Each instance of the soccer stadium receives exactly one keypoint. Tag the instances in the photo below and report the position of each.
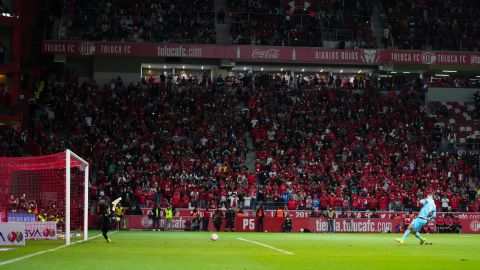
(239, 134)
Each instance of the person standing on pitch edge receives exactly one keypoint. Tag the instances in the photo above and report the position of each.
(230, 219)
(260, 216)
(169, 218)
(331, 220)
(156, 216)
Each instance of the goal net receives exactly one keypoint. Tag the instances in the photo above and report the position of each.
(47, 188)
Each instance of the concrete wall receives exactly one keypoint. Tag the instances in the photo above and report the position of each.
(82, 65)
(105, 69)
(460, 95)
(105, 77)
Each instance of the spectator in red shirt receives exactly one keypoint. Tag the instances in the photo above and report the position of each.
(407, 219)
(440, 222)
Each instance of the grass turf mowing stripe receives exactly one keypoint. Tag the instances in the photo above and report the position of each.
(46, 251)
(267, 246)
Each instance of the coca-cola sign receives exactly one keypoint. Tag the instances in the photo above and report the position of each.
(266, 53)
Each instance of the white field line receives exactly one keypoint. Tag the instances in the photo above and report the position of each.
(267, 246)
(45, 251)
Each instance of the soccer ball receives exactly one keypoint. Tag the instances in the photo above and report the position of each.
(214, 237)
(302, 230)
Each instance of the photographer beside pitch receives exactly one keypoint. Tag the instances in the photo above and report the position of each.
(427, 213)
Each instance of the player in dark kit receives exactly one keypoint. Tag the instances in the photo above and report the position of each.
(105, 218)
(217, 219)
(230, 219)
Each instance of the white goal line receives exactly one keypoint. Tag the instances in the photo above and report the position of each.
(46, 251)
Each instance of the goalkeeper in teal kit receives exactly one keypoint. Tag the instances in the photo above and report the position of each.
(427, 213)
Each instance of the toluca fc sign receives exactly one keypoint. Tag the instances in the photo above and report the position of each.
(261, 53)
(87, 48)
(428, 58)
(475, 225)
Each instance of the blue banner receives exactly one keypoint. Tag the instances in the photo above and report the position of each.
(20, 217)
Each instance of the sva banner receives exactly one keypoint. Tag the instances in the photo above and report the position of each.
(41, 230)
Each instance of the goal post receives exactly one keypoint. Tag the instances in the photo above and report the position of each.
(68, 166)
(46, 188)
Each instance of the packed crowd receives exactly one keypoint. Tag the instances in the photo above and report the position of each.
(47, 211)
(315, 146)
(143, 145)
(6, 105)
(426, 24)
(352, 150)
(431, 24)
(12, 141)
(138, 21)
(270, 23)
(454, 82)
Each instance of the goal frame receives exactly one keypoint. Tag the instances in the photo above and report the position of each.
(68, 158)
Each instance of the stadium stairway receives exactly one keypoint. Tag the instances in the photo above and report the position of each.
(251, 155)
(222, 29)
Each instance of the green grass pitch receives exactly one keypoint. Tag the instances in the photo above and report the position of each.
(188, 250)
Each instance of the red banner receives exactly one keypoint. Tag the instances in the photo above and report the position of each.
(250, 224)
(470, 224)
(354, 225)
(260, 53)
(430, 57)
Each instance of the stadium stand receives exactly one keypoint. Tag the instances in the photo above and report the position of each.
(139, 21)
(432, 24)
(274, 22)
(271, 23)
(12, 142)
(6, 106)
(354, 142)
(324, 142)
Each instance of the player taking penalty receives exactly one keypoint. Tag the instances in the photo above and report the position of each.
(426, 214)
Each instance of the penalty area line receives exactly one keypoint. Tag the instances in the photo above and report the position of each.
(267, 246)
(46, 251)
